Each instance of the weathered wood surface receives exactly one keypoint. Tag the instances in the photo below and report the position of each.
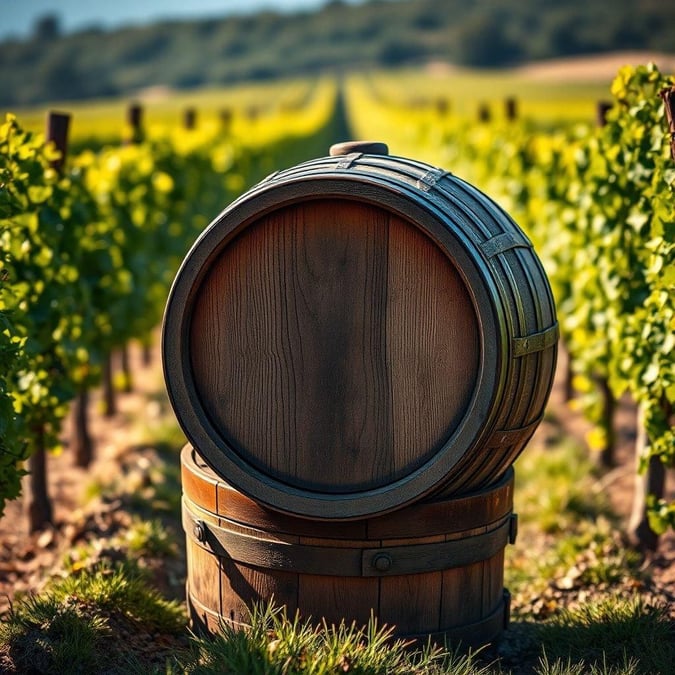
(239, 553)
(358, 333)
(337, 346)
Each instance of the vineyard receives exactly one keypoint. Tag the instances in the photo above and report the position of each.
(601, 191)
(94, 227)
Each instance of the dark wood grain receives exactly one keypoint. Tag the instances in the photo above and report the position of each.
(411, 603)
(338, 599)
(335, 346)
(204, 576)
(243, 586)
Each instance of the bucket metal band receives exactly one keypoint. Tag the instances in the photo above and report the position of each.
(271, 177)
(346, 161)
(429, 179)
(345, 562)
(509, 437)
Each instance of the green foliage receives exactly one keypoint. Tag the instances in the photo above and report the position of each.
(614, 632)
(88, 255)
(275, 643)
(640, 180)
(12, 450)
(133, 196)
(57, 260)
(661, 514)
(620, 308)
(599, 207)
(34, 271)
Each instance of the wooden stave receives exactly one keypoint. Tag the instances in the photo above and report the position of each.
(436, 604)
(517, 316)
(209, 492)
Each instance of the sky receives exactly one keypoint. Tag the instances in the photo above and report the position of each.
(17, 17)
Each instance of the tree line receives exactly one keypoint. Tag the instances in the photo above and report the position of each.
(51, 65)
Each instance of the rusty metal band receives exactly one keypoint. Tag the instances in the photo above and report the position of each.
(536, 342)
(502, 243)
(345, 562)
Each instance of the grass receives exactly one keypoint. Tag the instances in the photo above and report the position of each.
(125, 590)
(567, 667)
(611, 636)
(277, 644)
(47, 634)
(94, 621)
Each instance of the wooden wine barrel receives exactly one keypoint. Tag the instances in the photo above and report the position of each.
(356, 333)
(431, 569)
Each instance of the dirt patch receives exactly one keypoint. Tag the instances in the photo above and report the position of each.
(27, 561)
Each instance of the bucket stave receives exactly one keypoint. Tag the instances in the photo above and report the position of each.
(432, 569)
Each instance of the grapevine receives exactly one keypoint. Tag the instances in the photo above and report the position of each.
(598, 205)
(88, 254)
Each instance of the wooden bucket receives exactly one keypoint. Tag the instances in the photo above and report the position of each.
(431, 569)
(357, 333)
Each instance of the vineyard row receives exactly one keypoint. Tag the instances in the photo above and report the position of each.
(598, 203)
(89, 250)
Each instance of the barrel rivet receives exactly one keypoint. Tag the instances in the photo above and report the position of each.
(199, 531)
(382, 562)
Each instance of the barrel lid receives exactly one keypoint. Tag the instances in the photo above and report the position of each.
(365, 147)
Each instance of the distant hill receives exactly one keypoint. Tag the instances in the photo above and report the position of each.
(381, 33)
